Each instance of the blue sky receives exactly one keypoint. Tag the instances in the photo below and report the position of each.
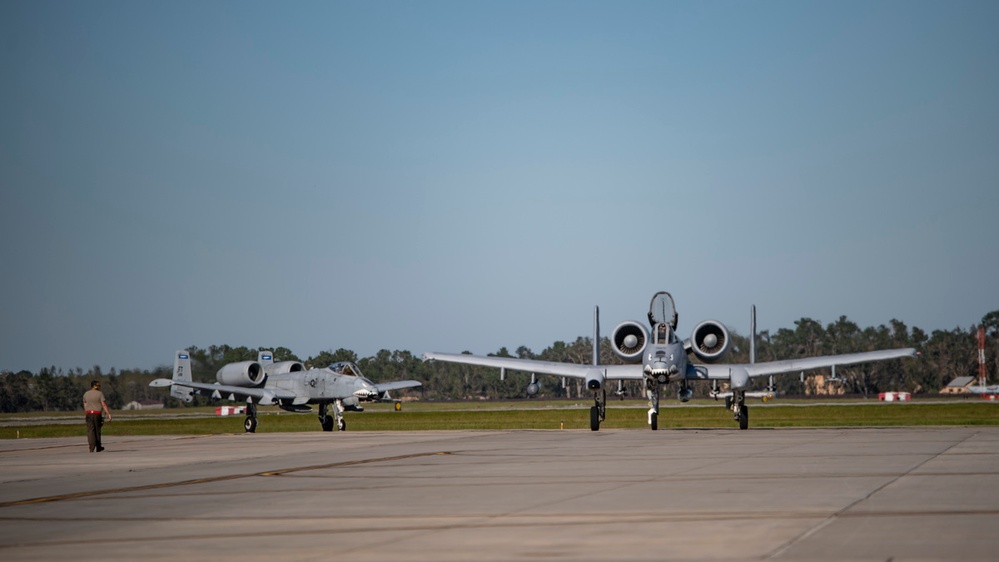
(449, 176)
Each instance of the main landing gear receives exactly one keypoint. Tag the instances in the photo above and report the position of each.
(599, 410)
(336, 420)
(250, 423)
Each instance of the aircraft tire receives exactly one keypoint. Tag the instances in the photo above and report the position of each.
(328, 423)
(744, 417)
(594, 419)
(250, 425)
(342, 426)
(655, 421)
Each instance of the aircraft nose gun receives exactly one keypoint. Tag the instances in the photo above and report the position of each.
(662, 366)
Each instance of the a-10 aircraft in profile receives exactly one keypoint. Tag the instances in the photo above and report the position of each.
(659, 357)
(287, 384)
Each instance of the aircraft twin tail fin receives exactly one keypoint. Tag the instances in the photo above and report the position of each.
(182, 373)
(596, 335)
(265, 357)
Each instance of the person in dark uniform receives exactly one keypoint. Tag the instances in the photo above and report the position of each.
(95, 406)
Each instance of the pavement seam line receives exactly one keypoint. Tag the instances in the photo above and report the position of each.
(279, 472)
(836, 515)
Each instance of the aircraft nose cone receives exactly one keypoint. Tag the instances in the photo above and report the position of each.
(365, 393)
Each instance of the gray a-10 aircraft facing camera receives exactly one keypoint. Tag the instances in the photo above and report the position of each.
(659, 357)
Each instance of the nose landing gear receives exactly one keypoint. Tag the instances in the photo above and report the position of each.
(336, 420)
(599, 410)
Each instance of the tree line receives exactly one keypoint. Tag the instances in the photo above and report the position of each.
(944, 355)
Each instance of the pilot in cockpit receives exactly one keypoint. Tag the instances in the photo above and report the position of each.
(342, 368)
(662, 333)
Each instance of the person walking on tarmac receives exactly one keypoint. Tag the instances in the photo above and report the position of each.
(95, 406)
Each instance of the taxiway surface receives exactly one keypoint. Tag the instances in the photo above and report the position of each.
(877, 494)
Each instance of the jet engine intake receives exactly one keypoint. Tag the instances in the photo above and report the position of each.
(283, 367)
(629, 340)
(710, 341)
(246, 373)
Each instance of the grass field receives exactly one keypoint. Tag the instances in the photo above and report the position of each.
(515, 415)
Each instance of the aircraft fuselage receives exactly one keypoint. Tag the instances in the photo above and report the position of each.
(323, 385)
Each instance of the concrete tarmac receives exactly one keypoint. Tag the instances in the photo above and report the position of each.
(928, 493)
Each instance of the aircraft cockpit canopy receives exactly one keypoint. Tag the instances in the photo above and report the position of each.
(349, 369)
(345, 368)
(662, 310)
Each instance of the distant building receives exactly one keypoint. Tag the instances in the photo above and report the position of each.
(143, 405)
(958, 386)
(818, 385)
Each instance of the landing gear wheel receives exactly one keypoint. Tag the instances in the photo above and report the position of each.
(250, 425)
(342, 425)
(744, 417)
(328, 423)
(655, 422)
(594, 419)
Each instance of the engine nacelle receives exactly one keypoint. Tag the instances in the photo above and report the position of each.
(283, 367)
(629, 340)
(710, 341)
(246, 373)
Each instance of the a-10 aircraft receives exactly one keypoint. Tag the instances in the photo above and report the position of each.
(288, 384)
(660, 357)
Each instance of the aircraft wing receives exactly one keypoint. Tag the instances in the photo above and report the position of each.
(396, 385)
(573, 370)
(749, 370)
(806, 363)
(265, 396)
